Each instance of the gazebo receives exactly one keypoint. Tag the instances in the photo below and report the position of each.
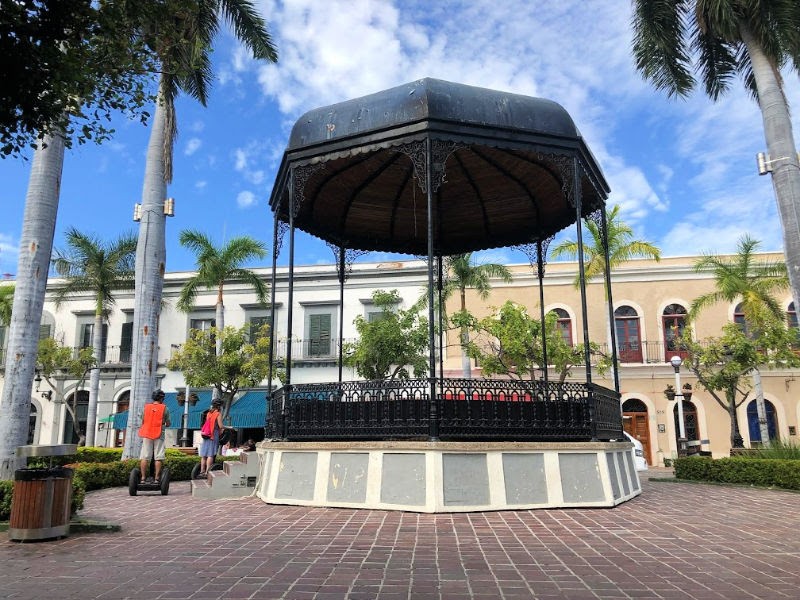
(433, 169)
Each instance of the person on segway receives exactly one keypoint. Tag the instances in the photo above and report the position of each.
(155, 420)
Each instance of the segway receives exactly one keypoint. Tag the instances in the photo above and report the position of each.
(136, 485)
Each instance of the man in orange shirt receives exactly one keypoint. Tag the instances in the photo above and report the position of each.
(155, 420)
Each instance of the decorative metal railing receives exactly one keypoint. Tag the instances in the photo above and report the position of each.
(463, 409)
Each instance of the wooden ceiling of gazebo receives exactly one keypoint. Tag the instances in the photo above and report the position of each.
(502, 170)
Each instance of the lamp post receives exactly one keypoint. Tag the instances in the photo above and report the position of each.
(676, 362)
(184, 441)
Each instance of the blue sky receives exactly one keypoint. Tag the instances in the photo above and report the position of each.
(683, 171)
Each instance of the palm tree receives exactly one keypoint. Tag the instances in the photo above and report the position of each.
(462, 273)
(743, 277)
(90, 265)
(36, 244)
(754, 282)
(6, 304)
(182, 40)
(720, 39)
(216, 266)
(621, 247)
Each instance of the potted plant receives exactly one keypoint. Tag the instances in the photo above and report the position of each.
(669, 392)
(181, 398)
(687, 391)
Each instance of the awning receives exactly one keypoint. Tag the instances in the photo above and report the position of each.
(249, 411)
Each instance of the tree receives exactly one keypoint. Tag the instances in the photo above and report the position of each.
(90, 265)
(182, 38)
(6, 304)
(720, 364)
(743, 276)
(754, 281)
(36, 243)
(53, 360)
(391, 346)
(509, 342)
(462, 273)
(242, 363)
(719, 40)
(57, 51)
(622, 247)
(216, 266)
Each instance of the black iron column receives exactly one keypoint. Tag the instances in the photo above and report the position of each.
(341, 312)
(540, 274)
(290, 307)
(273, 278)
(576, 191)
(433, 414)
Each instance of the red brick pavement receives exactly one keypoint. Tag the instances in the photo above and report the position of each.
(675, 541)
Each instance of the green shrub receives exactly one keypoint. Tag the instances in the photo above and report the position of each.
(777, 449)
(749, 471)
(6, 491)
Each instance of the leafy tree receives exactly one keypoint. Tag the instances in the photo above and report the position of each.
(462, 273)
(216, 266)
(182, 38)
(242, 363)
(6, 304)
(719, 40)
(90, 265)
(67, 66)
(391, 346)
(509, 342)
(622, 247)
(722, 363)
(743, 276)
(54, 360)
(754, 281)
(38, 225)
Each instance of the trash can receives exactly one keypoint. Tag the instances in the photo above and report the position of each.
(42, 500)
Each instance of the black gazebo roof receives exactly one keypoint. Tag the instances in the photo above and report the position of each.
(502, 170)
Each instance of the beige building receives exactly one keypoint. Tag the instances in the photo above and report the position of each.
(649, 300)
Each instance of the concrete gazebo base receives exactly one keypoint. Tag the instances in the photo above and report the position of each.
(441, 477)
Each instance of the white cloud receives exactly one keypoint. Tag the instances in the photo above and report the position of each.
(246, 199)
(200, 185)
(192, 146)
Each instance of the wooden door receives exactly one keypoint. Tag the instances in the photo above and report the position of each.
(635, 423)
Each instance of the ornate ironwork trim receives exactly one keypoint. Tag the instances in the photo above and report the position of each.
(301, 175)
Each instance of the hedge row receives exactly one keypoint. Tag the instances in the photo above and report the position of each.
(108, 470)
(749, 471)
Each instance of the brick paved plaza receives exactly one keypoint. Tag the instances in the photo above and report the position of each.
(677, 540)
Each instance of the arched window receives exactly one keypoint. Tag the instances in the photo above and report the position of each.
(629, 341)
(122, 405)
(752, 421)
(32, 425)
(738, 318)
(689, 422)
(791, 316)
(673, 321)
(81, 412)
(564, 325)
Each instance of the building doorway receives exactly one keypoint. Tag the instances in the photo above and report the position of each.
(80, 401)
(752, 421)
(689, 422)
(635, 421)
(122, 405)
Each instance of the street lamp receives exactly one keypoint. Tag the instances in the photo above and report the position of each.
(676, 362)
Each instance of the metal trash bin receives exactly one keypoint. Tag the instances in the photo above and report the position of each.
(42, 500)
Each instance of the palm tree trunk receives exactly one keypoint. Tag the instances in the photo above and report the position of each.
(782, 150)
(94, 378)
(36, 245)
(149, 278)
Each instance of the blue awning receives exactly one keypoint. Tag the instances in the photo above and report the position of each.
(248, 411)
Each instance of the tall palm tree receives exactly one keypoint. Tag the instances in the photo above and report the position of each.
(36, 244)
(90, 265)
(216, 266)
(182, 39)
(622, 247)
(461, 272)
(754, 281)
(720, 39)
(746, 277)
(6, 304)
